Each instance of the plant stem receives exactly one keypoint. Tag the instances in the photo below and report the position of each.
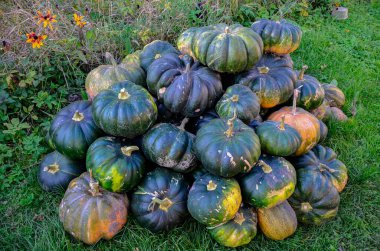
(127, 150)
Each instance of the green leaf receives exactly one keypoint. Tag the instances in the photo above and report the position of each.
(81, 56)
(334, 82)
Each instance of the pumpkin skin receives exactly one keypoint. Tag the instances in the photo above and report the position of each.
(237, 232)
(334, 95)
(170, 146)
(315, 199)
(155, 50)
(270, 182)
(197, 122)
(98, 214)
(56, 171)
(126, 110)
(321, 111)
(324, 160)
(279, 222)
(214, 200)
(323, 131)
(239, 99)
(73, 130)
(116, 164)
(280, 37)
(185, 39)
(227, 147)
(159, 202)
(49, 141)
(335, 114)
(184, 85)
(272, 79)
(133, 58)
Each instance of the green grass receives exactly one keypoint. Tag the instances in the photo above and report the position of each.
(350, 50)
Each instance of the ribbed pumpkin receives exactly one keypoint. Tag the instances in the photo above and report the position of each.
(279, 222)
(278, 138)
(185, 40)
(56, 171)
(155, 50)
(98, 214)
(159, 202)
(334, 113)
(227, 147)
(73, 130)
(214, 200)
(48, 140)
(323, 131)
(272, 79)
(223, 48)
(304, 122)
(334, 95)
(133, 58)
(170, 146)
(237, 232)
(280, 37)
(239, 99)
(271, 181)
(197, 122)
(184, 85)
(116, 163)
(321, 112)
(126, 110)
(324, 160)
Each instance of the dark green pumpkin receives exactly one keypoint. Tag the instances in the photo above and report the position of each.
(56, 171)
(116, 164)
(214, 200)
(184, 85)
(280, 37)
(334, 95)
(126, 110)
(272, 79)
(227, 147)
(271, 181)
(239, 99)
(49, 140)
(237, 232)
(324, 131)
(185, 39)
(159, 202)
(155, 50)
(73, 130)
(170, 146)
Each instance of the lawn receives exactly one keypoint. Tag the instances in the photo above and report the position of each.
(347, 51)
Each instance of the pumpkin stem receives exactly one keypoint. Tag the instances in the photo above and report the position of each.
(266, 168)
(239, 218)
(53, 168)
(78, 116)
(306, 207)
(227, 30)
(295, 96)
(183, 123)
(127, 150)
(302, 72)
(235, 98)
(323, 167)
(263, 69)
(94, 186)
(164, 204)
(211, 186)
(110, 59)
(230, 123)
(282, 123)
(157, 56)
(123, 94)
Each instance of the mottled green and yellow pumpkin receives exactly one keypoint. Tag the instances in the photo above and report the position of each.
(334, 95)
(133, 58)
(155, 50)
(185, 40)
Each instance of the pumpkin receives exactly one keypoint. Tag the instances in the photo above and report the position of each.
(184, 41)
(126, 110)
(197, 122)
(224, 48)
(170, 146)
(49, 141)
(133, 58)
(321, 111)
(155, 50)
(241, 99)
(334, 95)
(237, 232)
(315, 199)
(104, 76)
(73, 130)
(164, 115)
(324, 160)
(184, 85)
(56, 171)
(278, 138)
(90, 213)
(227, 147)
(256, 122)
(116, 163)
(311, 93)
(334, 113)
(279, 222)
(280, 37)
(271, 181)
(304, 122)
(159, 202)
(198, 172)
(323, 131)
(214, 200)
(272, 79)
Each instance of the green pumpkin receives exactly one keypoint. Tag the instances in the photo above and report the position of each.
(126, 110)
(271, 181)
(73, 130)
(237, 232)
(49, 140)
(116, 164)
(323, 131)
(239, 99)
(159, 202)
(133, 58)
(185, 39)
(155, 50)
(323, 160)
(184, 85)
(227, 147)
(272, 79)
(214, 200)
(56, 171)
(315, 199)
(321, 112)
(280, 37)
(334, 95)
(278, 138)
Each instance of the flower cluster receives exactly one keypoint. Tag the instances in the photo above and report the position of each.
(35, 40)
(46, 19)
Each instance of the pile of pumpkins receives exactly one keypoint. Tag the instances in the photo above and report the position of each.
(221, 128)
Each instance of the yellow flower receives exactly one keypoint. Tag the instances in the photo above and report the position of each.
(78, 20)
(47, 19)
(35, 40)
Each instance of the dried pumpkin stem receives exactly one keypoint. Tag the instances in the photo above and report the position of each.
(94, 185)
(266, 168)
(282, 123)
(227, 30)
(183, 123)
(164, 204)
(230, 123)
(78, 116)
(110, 59)
(239, 218)
(211, 186)
(235, 98)
(306, 207)
(263, 69)
(295, 96)
(302, 72)
(53, 168)
(123, 94)
(127, 150)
